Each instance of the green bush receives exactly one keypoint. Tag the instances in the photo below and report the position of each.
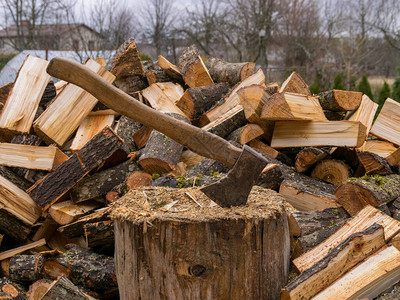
(338, 82)
(4, 59)
(145, 57)
(396, 90)
(315, 87)
(384, 93)
(364, 87)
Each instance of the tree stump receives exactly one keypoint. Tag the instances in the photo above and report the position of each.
(177, 244)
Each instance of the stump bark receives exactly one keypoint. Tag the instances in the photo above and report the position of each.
(203, 252)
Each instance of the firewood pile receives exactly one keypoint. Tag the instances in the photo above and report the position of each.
(65, 159)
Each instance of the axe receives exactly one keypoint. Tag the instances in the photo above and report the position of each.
(245, 164)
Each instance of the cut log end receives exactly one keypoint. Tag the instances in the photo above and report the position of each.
(331, 171)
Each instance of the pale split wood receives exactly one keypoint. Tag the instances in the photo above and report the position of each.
(162, 96)
(18, 250)
(295, 84)
(367, 280)
(264, 148)
(365, 113)
(394, 158)
(67, 111)
(66, 212)
(365, 218)
(387, 124)
(381, 148)
(318, 133)
(171, 69)
(31, 157)
(90, 126)
(20, 109)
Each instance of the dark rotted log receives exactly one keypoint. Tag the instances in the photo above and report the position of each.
(64, 289)
(23, 267)
(305, 222)
(85, 268)
(49, 93)
(25, 139)
(374, 164)
(338, 100)
(270, 178)
(309, 156)
(376, 190)
(99, 233)
(11, 290)
(331, 171)
(19, 181)
(12, 226)
(161, 153)
(61, 180)
(99, 184)
(196, 101)
(125, 129)
(191, 251)
(75, 229)
(232, 73)
(338, 261)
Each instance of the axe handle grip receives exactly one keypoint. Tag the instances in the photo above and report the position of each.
(196, 139)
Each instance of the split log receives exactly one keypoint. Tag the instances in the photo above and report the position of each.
(270, 178)
(98, 184)
(365, 112)
(374, 164)
(196, 101)
(11, 290)
(23, 267)
(18, 203)
(306, 222)
(232, 73)
(31, 157)
(163, 96)
(190, 159)
(334, 116)
(310, 133)
(64, 289)
(207, 167)
(204, 261)
(295, 84)
(231, 99)
(273, 87)
(246, 134)
(5, 91)
(393, 158)
(154, 73)
(367, 280)
(338, 100)
(364, 219)
(127, 61)
(25, 139)
(377, 190)
(13, 226)
(60, 85)
(194, 72)
(307, 194)
(18, 250)
(134, 180)
(84, 267)
(49, 93)
(381, 148)
(253, 98)
(271, 152)
(38, 289)
(99, 233)
(331, 171)
(19, 111)
(387, 124)
(169, 68)
(308, 157)
(228, 122)
(67, 211)
(289, 106)
(142, 136)
(125, 129)
(68, 110)
(61, 180)
(339, 260)
(89, 127)
(131, 84)
(45, 229)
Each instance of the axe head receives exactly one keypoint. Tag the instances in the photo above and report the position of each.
(235, 187)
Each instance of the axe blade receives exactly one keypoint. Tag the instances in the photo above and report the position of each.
(235, 187)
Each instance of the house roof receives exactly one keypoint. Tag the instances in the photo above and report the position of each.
(45, 29)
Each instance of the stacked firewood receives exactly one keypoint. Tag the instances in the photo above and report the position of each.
(65, 158)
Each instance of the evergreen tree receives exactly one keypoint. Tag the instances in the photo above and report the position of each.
(315, 87)
(338, 82)
(384, 93)
(364, 87)
(396, 90)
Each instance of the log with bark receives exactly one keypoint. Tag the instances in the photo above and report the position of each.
(38, 289)
(99, 234)
(233, 73)
(200, 267)
(64, 289)
(127, 61)
(5, 91)
(271, 152)
(23, 267)
(11, 290)
(49, 93)
(67, 211)
(374, 164)
(126, 129)
(308, 157)
(246, 134)
(270, 178)
(331, 171)
(381, 148)
(376, 190)
(338, 100)
(295, 84)
(387, 124)
(172, 70)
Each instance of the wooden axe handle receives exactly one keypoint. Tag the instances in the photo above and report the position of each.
(194, 138)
